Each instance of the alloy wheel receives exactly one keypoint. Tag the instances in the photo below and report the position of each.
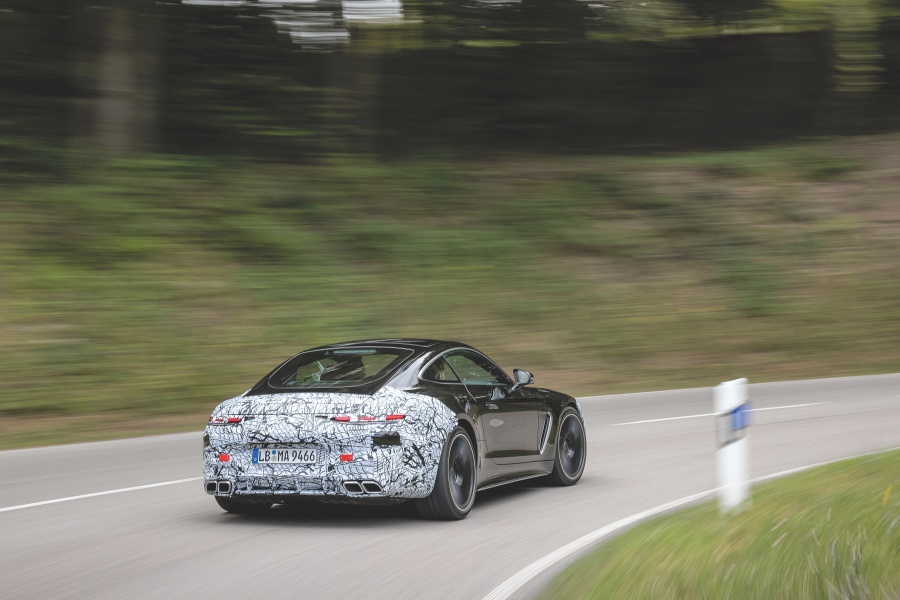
(571, 446)
(461, 472)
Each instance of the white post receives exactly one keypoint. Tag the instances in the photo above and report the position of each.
(733, 456)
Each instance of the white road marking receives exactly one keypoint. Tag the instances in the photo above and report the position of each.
(95, 494)
(509, 587)
(506, 589)
(713, 414)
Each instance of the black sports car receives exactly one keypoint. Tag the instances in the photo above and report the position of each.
(387, 420)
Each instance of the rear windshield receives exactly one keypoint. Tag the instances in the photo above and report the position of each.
(337, 367)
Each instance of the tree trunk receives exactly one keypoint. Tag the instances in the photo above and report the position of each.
(120, 71)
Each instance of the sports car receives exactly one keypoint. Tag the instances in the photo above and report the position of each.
(389, 420)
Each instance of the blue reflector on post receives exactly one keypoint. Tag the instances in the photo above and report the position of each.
(740, 417)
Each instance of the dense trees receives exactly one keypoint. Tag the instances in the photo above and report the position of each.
(465, 76)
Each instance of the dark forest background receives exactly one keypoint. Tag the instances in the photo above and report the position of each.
(464, 77)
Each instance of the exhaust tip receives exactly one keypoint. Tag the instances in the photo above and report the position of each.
(210, 487)
(371, 487)
(224, 487)
(353, 487)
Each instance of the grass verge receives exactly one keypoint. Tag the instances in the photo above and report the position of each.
(832, 532)
(150, 289)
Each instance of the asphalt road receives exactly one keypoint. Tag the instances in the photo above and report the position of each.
(174, 542)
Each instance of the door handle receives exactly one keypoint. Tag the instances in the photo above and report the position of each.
(491, 406)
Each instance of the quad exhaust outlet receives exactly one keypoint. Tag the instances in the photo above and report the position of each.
(362, 487)
(218, 487)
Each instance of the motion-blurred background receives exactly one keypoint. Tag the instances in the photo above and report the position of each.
(617, 195)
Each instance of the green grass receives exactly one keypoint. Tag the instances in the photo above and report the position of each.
(154, 288)
(832, 532)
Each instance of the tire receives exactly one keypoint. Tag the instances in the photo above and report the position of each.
(571, 449)
(454, 488)
(243, 507)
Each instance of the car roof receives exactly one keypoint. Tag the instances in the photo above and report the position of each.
(407, 343)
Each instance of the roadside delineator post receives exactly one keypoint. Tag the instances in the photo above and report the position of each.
(732, 410)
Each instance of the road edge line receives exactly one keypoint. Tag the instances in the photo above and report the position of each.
(95, 494)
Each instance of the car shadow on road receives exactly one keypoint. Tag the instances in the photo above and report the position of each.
(322, 514)
(511, 492)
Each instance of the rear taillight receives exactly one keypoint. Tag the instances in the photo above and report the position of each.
(225, 420)
(367, 418)
(224, 457)
(346, 457)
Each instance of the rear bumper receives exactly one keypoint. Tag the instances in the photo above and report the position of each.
(399, 470)
(286, 490)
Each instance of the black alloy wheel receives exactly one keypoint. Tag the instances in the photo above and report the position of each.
(571, 451)
(454, 489)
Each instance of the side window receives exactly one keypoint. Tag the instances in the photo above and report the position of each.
(440, 371)
(475, 369)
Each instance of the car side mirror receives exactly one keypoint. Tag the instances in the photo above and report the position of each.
(521, 377)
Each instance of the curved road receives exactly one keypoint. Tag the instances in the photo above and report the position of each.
(173, 541)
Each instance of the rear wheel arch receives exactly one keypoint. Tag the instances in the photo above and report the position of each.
(470, 429)
(456, 480)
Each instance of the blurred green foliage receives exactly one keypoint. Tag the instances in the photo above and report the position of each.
(161, 285)
(829, 533)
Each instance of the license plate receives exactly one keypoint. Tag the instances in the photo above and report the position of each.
(291, 456)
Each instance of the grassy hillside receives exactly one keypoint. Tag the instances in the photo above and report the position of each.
(136, 296)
